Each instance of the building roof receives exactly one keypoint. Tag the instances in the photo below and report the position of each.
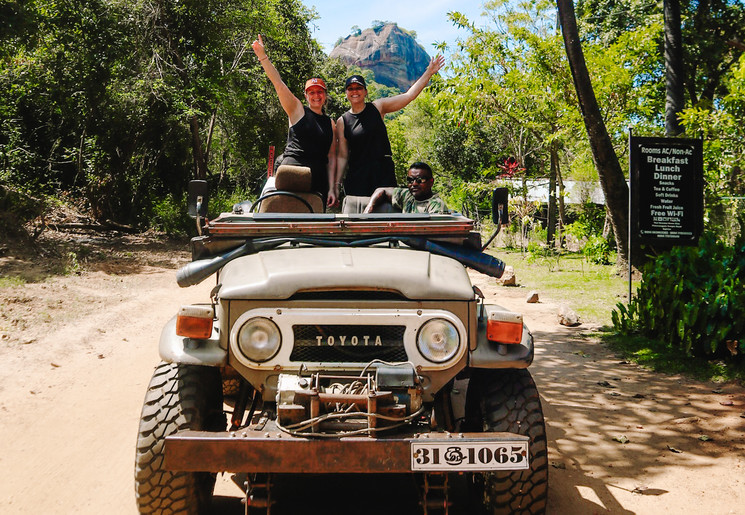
(578, 192)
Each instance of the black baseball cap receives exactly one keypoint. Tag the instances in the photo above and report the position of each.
(355, 79)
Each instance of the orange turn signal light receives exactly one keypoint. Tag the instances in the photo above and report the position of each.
(195, 322)
(504, 327)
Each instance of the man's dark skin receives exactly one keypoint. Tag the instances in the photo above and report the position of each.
(421, 191)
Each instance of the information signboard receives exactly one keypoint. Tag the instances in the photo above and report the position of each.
(666, 190)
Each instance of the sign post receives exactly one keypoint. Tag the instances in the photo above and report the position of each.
(666, 204)
(270, 162)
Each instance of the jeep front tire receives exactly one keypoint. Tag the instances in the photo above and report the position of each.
(507, 400)
(179, 397)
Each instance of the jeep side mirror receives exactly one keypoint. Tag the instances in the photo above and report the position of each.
(198, 197)
(198, 200)
(500, 206)
(499, 212)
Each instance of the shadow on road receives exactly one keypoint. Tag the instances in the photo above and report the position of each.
(387, 494)
(613, 427)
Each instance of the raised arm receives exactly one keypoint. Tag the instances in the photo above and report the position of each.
(392, 104)
(290, 103)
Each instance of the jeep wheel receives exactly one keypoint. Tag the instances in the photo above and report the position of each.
(179, 397)
(507, 400)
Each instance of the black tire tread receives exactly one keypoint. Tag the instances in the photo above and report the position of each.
(179, 397)
(508, 400)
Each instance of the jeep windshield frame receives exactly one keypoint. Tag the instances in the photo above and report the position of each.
(234, 235)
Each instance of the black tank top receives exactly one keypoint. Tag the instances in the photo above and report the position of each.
(370, 164)
(308, 143)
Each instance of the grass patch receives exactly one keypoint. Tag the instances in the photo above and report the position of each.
(659, 358)
(12, 281)
(590, 289)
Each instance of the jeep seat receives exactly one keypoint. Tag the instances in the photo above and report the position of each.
(292, 183)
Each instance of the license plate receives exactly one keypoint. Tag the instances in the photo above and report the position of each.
(479, 456)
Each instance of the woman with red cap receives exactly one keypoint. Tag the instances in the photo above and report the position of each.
(311, 140)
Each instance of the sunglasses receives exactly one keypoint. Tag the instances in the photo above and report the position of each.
(417, 180)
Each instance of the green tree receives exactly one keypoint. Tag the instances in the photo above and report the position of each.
(612, 180)
(710, 31)
(125, 101)
(724, 155)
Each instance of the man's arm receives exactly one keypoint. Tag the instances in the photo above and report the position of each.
(377, 196)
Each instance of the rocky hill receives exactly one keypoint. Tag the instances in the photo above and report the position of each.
(392, 54)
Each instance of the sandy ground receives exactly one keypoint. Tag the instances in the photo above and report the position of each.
(77, 353)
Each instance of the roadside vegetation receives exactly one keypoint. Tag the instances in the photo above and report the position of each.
(689, 311)
(578, 271)
(592, 290)
(685, 317)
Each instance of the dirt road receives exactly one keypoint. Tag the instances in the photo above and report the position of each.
(77, 353)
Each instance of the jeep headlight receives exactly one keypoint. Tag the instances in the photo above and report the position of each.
(259, 339)
(438, 340)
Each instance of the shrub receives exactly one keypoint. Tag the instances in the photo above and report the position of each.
(598, 250)
(169, 215)
(691, 298)
(223, 200)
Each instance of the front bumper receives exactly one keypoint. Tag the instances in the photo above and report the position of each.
(272, 451)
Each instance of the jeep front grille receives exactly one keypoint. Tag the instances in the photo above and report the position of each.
(348, 343)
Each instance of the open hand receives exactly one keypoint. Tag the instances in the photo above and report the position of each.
(435, 64)
(258, 46)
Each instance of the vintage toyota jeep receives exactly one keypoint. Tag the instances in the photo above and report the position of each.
(359, 345)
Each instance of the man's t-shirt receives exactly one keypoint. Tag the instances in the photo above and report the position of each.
(405, 201)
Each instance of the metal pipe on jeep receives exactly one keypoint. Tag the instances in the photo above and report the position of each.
(471, 258)
(197, 271)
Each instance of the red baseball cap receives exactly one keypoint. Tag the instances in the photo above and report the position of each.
(315, 82)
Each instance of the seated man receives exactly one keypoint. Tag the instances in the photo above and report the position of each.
(417, 198)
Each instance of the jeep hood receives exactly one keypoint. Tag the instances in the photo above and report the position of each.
(278, 274)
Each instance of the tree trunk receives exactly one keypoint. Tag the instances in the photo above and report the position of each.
(562, 208)
(551, 215)
(674, 73)
(210, 132)
(200, 164)
(611, 176)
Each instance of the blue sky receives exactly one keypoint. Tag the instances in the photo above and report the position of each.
(428, 18)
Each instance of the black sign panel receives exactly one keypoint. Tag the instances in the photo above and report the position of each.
(666, 190)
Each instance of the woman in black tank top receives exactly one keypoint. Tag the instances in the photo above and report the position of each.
(363, 139)
(311, 140)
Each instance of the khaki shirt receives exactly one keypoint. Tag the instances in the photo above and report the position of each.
(405, 201)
